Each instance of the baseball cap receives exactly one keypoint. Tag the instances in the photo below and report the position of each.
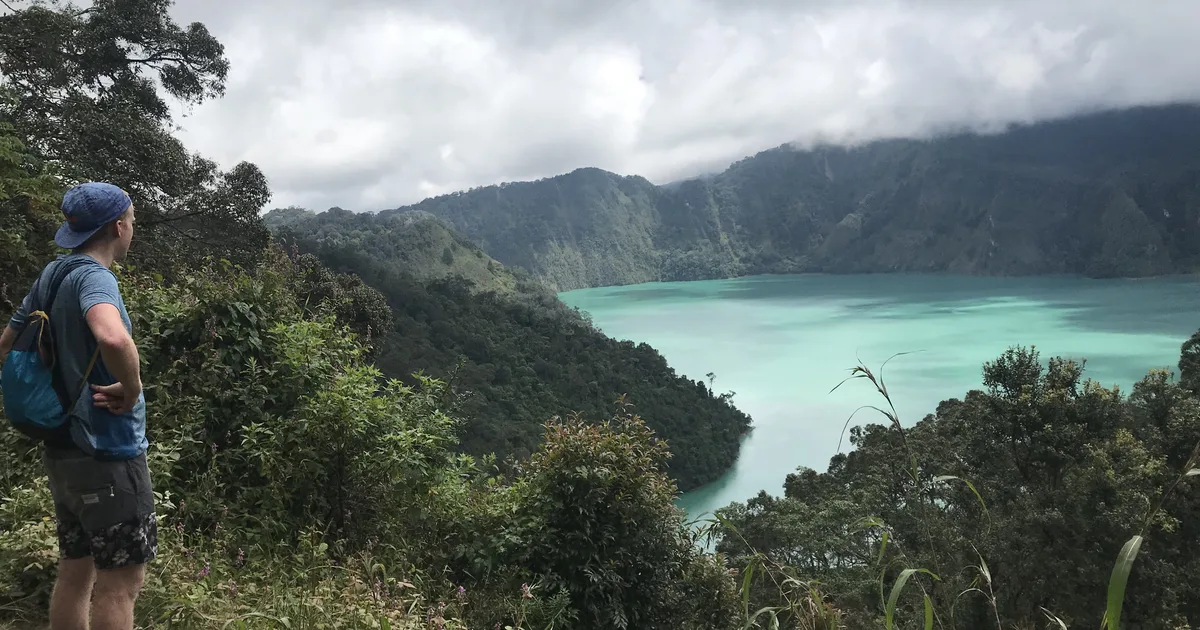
(89, 207)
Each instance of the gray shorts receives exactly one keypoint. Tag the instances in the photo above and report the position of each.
(104, 509)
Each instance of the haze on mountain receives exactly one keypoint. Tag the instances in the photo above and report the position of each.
(1103, 195)
(367, 105)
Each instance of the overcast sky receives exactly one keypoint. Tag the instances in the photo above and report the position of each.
(370, 104)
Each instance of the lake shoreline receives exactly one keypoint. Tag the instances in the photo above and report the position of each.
(781, 341)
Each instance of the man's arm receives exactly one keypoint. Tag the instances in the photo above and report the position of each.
(119, 352)
(9, 336)
(7, 339)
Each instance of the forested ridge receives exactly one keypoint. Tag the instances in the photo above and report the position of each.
(1113, 193)
(518, 354)
(300, 487)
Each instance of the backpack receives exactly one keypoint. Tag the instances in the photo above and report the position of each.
(35, 397)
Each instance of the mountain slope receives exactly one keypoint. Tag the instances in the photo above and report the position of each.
(586, 228)
(525, 356)
(413, 242)
(1107, 194)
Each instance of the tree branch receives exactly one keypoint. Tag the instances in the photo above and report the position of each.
(167, 219)
(149, 61)
(167, 54)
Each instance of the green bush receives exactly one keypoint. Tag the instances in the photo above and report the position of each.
(295, 481)
(278, 423)
(973, 515)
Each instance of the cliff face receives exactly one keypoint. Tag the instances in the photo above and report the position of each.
(1110, 194)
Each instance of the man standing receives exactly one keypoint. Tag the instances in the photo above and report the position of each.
(99, 479)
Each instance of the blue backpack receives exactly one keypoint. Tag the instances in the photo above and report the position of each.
(35, 398)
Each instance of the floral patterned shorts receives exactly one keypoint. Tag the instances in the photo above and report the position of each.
(104, 509)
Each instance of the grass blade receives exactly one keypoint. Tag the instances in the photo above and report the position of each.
(1052, 617)
(901, 580)
(928, 613)
(746, 587)
(969, 485)
(1120, 577)
(752, 620)
(882, 547)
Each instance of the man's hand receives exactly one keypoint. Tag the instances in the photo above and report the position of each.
(120, 357)
(114, 398)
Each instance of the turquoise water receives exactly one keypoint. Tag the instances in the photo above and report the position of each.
(781, 343)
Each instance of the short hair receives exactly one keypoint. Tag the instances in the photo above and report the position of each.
(103, 234)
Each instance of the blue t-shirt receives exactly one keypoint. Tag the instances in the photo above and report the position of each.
(95, 429)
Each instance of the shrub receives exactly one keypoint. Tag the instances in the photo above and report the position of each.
(598, 516)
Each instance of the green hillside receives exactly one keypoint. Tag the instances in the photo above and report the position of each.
(1107, 194)
(520, 354)
(415, 242)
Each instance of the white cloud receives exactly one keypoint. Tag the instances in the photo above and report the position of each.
(368, 104)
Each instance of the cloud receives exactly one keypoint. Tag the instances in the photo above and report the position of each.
(369, 104)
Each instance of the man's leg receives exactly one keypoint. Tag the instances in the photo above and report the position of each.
(115, 505)
(115, 593)
(69, 602)
(121, 553)
(72, 593)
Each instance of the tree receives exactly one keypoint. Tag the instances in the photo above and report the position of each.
(28, 218)
(1189, 363)
(1067, 470)
(80, 90)
(599, 521)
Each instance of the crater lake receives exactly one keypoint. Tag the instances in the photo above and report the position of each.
(782, 343)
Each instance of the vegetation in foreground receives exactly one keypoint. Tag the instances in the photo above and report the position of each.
(296, 482)
(1043, 499)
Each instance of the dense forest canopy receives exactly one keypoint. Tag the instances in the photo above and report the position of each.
(1105, 194)
(1017, 497)
(522, 354)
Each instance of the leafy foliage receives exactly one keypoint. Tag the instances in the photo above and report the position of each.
(605, 528)
(27, 220)
(81, 92)
(516, 352)
(993, 495)
(279, 452)
(241, 364)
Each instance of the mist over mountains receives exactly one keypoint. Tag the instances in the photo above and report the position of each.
(1106, 194)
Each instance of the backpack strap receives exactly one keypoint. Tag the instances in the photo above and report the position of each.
(62, 269)
(88, 372)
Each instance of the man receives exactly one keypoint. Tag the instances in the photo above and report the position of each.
(103, 499)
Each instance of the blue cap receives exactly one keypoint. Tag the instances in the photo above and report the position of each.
(89, 207)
